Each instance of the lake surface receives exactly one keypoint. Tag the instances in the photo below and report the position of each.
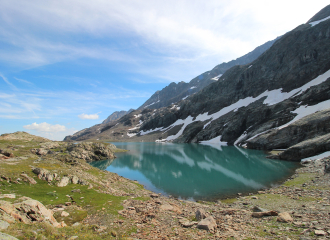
(195, 171)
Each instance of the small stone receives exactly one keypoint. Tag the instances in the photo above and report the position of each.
(30, 179)
(73, 237)
(65, 214)
(259, 209)
(76, 224)
(8, 196)
(208, 224)
(113, 233)
(3, 225)
(200, 214)
(154, 195)
(185, 223)
(284, 217)
(74, 179)
(320, 233)
(254, 197)
(7, 237)
(64, 181)
(263, 214)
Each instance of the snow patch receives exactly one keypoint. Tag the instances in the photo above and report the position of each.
(193, 87)
(185, 97)
(152, 104)
(250, 66)
(320, 156)
(319, 21)
(138, 115)
(216, 78)
(304, 111)
(216, 140)
(131, 134)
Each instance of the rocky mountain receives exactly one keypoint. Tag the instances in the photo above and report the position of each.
(256, 105)
(116, 115)
(175, 92)
(280, 100)
(172, 93)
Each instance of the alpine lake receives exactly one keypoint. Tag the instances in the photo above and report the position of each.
(195, 171)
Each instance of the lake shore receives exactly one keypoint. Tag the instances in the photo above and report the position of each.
(104, 205)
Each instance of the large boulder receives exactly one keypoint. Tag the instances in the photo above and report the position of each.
(306, 149)
(30, 211)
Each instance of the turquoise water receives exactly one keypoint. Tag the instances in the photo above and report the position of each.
(197, 172)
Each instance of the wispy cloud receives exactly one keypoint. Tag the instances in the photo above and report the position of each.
(23, 81)
(41, 33)
(6, 81)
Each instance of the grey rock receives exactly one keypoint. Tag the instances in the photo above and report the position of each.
(3, 225)
(259, 209)
(200, 214)
(208, 224)
(64, 181)
(306, 149)
(74, 179)
(4, 236)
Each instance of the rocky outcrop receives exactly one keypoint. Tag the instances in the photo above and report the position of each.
(29, 211)
(308, 148)
(90, 151)
(309, 127)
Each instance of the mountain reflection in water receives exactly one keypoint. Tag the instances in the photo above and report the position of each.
(194, 171)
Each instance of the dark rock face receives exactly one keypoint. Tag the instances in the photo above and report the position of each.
(116, 115)
(175, 92)
(325, 12)
(308, 148)
(309, 127)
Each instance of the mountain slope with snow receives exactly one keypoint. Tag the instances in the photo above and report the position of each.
(288, 82)
(176, 92)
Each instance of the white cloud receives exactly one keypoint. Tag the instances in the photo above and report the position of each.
(90, 116)
(45, 127)
(43, 32)
(46, 130)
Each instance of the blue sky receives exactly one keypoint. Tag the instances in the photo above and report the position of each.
(67, 65)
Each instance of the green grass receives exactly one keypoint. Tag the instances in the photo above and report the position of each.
(301, 179)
